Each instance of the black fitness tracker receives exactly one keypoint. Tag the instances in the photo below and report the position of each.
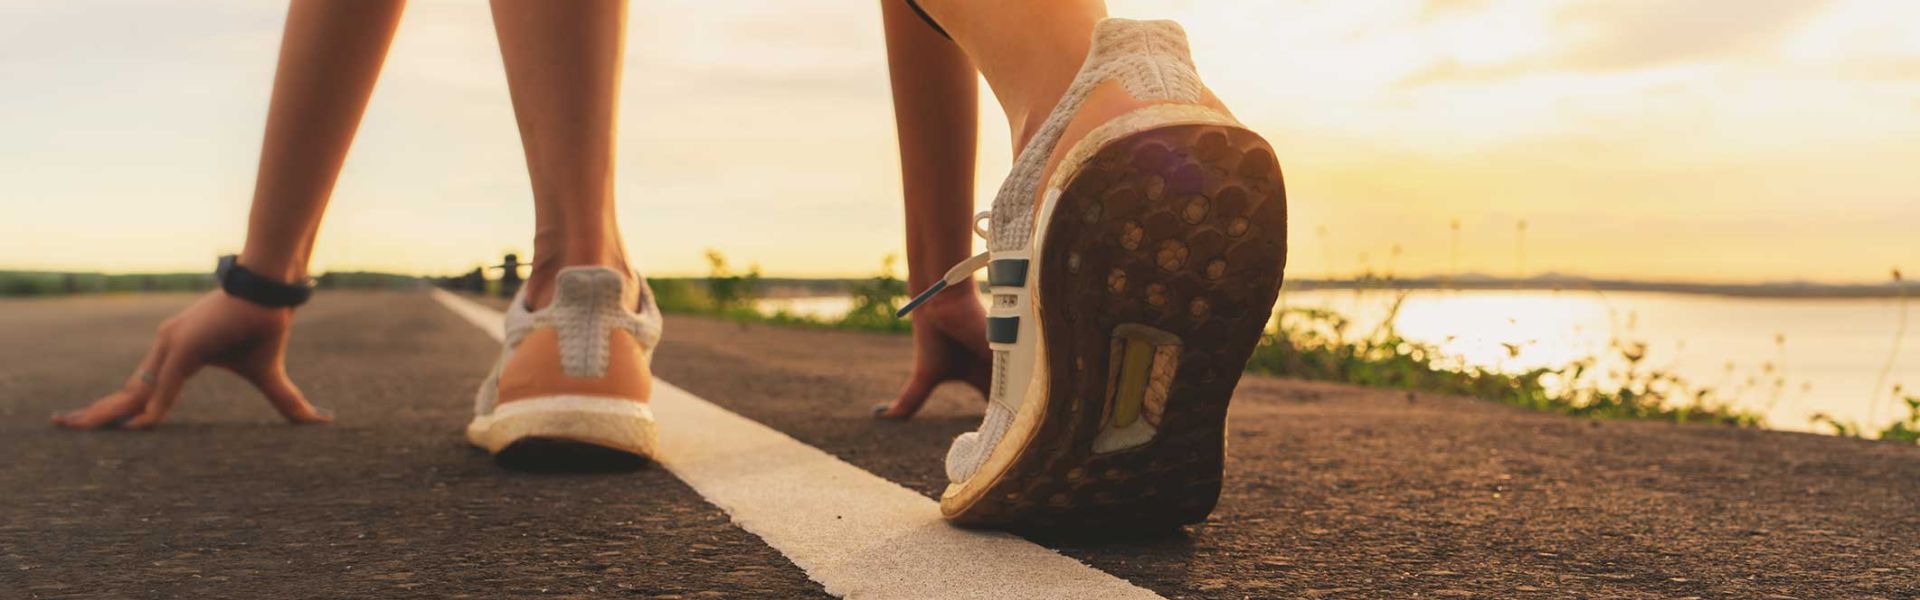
(240, 283)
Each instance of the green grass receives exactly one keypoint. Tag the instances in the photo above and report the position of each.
(1907, 429)
(1304, 343)
(367, 280)
(733, 296)
(48, 283)
(1317, 344)
(51, 283)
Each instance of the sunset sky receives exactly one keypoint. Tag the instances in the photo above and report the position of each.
(1732, 140)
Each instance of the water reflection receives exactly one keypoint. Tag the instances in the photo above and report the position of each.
(1785, 358)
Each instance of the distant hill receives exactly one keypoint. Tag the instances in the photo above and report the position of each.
(1554, 281)
(57, 283)
(794, 287)
(41, 283)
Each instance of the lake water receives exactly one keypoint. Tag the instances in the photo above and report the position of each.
(1786, 358)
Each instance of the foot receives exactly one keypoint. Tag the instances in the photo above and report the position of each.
(1135, 252)
(575, 372)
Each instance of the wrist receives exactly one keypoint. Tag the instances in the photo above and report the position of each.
(961, 297)
(283, 268)
(241, 282)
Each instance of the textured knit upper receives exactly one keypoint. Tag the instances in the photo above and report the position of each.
(1149, 58)
(588, 304)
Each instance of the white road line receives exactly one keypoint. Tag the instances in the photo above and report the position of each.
(857, 534)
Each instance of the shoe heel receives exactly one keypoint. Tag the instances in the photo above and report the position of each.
(1163, 256)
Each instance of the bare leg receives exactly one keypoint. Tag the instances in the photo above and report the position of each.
(936, 111)
(1028, 51)
(330, 57)
(563, 68)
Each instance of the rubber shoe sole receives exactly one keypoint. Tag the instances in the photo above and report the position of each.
(615, 424)
(1162, 258)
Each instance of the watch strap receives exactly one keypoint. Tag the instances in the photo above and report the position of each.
(241, 283)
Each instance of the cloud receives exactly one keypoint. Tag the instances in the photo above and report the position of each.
(1598, 36)
(1440, 8)
(1627, 35)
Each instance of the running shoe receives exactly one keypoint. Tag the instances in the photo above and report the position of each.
(1130, 283)
(575, 373)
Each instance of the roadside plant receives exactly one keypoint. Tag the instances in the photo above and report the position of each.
(1312, 343)
(1905, 430)
(876, 299)
(730, 292)
(1899, 335)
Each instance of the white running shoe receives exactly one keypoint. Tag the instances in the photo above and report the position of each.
(1125, 304)
(576, 372)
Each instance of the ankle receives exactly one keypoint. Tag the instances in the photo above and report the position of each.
(1035, 94)
(951, 308)
(1117, 51)
(1029, 52)
(546, 267)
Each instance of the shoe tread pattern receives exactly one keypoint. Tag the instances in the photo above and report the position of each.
(1181, 228)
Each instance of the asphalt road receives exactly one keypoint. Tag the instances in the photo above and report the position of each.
(1331, 491)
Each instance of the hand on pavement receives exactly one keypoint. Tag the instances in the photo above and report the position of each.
(949, 344)
(216, 330)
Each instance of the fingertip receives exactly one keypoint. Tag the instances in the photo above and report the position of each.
(884, 411)
(75, 419)
(140, 423)
(314, 415)
(905, 406)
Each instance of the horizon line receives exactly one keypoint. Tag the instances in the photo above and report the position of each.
(1474, 279)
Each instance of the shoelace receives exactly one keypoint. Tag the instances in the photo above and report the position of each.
(956, 275)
